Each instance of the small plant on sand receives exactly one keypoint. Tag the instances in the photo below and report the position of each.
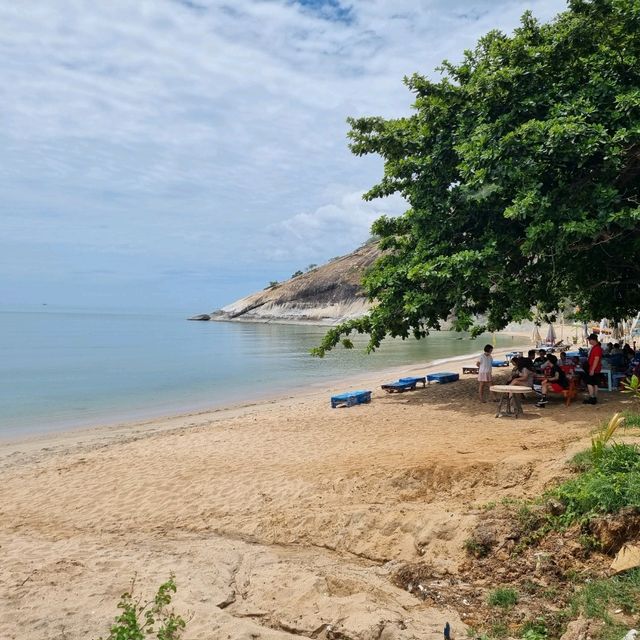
(476, 548)
(599, 442)
(632, 387)
(534, 630)
(140, 620)
(504, 597)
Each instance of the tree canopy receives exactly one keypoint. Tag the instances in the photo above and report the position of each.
(521, 167)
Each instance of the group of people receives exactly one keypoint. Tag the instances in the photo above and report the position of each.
(544, 372)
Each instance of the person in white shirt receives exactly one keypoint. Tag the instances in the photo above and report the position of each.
(485, 364)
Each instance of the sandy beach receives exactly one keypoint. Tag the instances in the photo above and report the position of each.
(279, 518)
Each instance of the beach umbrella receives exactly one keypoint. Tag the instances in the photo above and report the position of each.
(616, 333)
(551, 335)
(536, 337)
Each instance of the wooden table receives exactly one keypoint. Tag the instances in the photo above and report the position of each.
(510, 404)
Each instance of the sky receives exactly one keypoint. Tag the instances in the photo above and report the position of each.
(181, 154)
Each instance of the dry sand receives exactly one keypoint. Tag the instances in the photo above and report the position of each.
(278, 518)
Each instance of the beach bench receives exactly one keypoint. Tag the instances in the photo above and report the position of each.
(399, 387)
(416, 380)
(471, 370)
(350, 398)
(404, 384)
(443, 377)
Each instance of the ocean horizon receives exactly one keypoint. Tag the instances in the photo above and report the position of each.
(66, 368)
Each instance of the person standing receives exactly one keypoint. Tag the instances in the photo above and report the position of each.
(592, 373)
(485, 368)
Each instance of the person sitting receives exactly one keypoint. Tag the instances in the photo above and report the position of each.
(540, 360)
(555, 380)
(628, 352)
(525, 374)
(515, 372)
(563, 359)
(633, 368)
(615, 350)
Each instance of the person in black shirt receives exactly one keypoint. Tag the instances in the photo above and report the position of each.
(555, 380)
(540, 360)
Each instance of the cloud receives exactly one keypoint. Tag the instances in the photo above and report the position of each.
(181, 130)
(330, 230)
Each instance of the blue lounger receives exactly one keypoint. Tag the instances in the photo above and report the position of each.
(350, 398)
(499, 363)
(443, 378)
(414, 380)
(399, 386)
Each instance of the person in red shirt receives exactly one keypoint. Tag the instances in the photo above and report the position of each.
(592, 374)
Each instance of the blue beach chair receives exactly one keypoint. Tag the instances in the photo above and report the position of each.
(443, 378)
(415, 380)
(350, 398)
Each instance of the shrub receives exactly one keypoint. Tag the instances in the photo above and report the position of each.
(611, 483)
(138, 621)
(610, 478)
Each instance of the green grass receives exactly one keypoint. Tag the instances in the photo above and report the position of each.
(499, 630)
(504, 597)
(596, 598)
(631, 420)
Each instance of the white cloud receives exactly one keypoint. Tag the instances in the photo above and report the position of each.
(330, 230)
(185, 129)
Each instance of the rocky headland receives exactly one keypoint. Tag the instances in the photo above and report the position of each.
(328, 294)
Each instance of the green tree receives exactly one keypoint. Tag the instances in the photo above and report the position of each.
(521, 167)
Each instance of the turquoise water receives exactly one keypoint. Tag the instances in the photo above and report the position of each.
(64, 368)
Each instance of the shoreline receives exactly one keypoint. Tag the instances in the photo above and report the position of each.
(165, 422)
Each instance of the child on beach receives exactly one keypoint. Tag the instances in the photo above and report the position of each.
(484, 364)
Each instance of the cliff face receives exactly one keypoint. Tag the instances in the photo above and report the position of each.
(327, 295)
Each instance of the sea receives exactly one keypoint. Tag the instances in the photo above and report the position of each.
(64, 368)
